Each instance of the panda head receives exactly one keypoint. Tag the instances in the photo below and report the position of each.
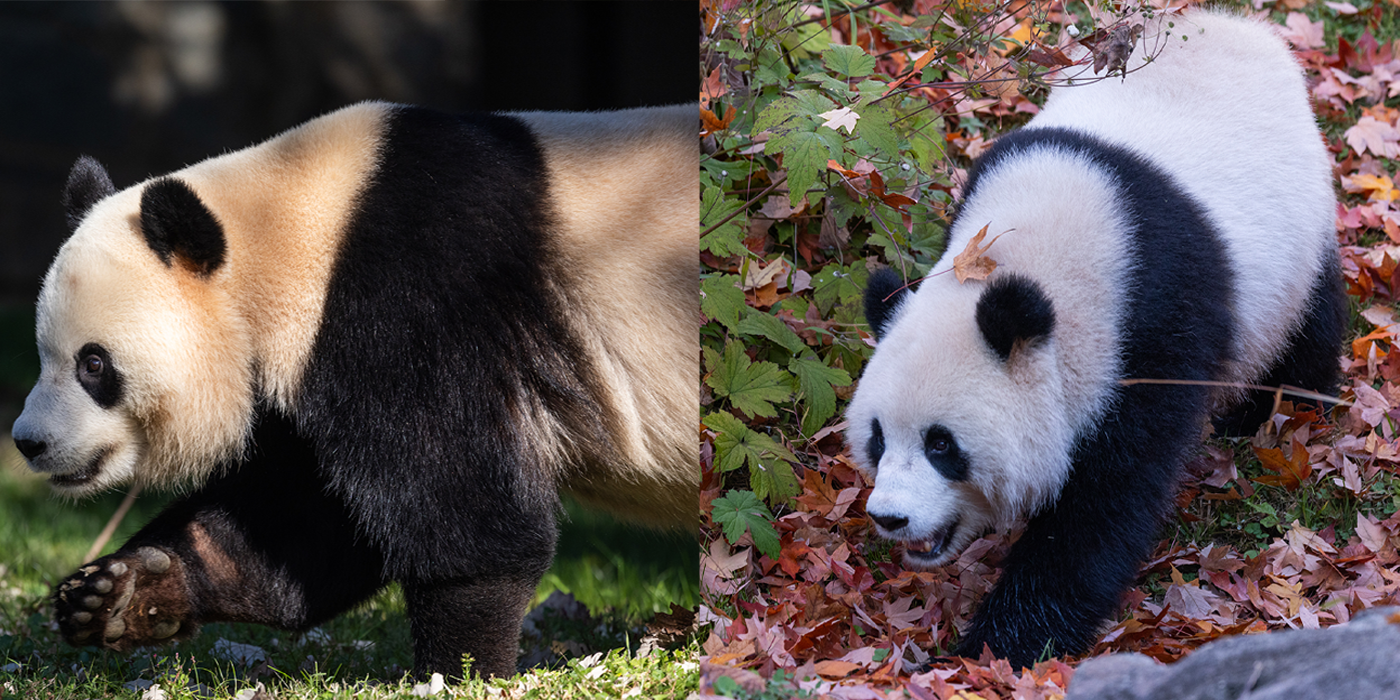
(958, 420)
(144, 371)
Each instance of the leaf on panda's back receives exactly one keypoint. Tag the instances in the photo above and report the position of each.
(752, 387)
(973, 263)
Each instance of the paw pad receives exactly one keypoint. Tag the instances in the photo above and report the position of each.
(124, 600)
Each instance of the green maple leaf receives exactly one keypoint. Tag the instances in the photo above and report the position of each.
(817, 380)
(805, 154)
(774, 480)
(876, 127)
(792, 121)
(738, 512)
(772, 328)
(797, 111)
(728, 238)
(752, 387)
(721, 300)
(850, 61)
(769, 463)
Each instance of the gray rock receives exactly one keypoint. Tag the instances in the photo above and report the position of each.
(1356, 661)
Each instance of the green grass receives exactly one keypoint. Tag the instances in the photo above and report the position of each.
(622, 574)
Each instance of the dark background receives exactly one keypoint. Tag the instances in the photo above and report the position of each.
(151, 87)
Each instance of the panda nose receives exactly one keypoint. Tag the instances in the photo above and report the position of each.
(31, 448)
(890, 522)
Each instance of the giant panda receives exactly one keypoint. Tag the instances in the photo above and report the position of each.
(371, 349)
(1174, 224)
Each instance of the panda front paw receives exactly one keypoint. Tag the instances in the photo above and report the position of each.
(125, 600)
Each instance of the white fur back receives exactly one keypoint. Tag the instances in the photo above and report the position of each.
(1226, 112)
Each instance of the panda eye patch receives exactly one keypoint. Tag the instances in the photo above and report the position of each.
(876, 447)
(941, 450)
(98, 376)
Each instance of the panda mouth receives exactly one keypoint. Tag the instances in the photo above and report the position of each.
(933, 548)
(82, 476)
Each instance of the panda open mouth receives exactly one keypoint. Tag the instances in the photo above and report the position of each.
(932, 548)
(83, 475)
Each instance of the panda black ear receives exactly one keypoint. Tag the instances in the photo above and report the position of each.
(883, 292)
(178, 226)
(1014, 309)
(88, 184)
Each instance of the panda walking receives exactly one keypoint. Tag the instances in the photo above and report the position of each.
(372, 349)
(1177, 225)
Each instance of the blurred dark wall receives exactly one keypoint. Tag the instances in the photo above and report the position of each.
(150, 87)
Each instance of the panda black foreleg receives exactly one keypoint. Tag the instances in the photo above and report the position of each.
(1068, 571)
(263, 543)
(1308, 360)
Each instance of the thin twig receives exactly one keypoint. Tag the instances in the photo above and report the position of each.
(1285, 389)
(842, 11)
(781, 179)
(112, 524)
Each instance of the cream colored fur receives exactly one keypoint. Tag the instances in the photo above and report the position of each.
(193, 351)
(196, 353)
(622, 188)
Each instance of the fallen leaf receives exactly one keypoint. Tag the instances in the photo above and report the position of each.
(711, 123)
(1375, 136)
(836, 669)
(973, 263)
(839, 118)
(1302, 32)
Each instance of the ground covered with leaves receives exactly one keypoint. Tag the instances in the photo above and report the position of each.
(837, 134)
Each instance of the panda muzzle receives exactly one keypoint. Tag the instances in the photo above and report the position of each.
(934, 546)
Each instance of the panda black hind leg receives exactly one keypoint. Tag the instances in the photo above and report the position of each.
(1308, 361)
(478, 617)
(261, 543)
